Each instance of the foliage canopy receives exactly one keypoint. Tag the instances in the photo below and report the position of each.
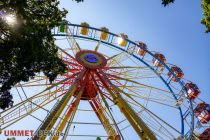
(27, 45)
(206, 12)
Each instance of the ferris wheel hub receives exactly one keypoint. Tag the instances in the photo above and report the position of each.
(91, 59)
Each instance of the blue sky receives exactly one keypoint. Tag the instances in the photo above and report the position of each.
(174, 30)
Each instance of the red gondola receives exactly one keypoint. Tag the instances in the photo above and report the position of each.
(156, 62)
(205, 135)
(202, 112)
(177, 71)
(142, 50)
(192, 90)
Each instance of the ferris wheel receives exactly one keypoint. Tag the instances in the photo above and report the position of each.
(114, 89)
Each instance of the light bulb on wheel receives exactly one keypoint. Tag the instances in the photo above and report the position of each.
(120, 40)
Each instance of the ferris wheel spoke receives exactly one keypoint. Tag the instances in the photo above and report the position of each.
(117, 59)
(137, 104)
(160, 131)
(140, 84)
(105, 94)
(141, 76)
(68, 117)
(154, 101)
(157, 100)
(127, 67)
(46, 83)
(150, 124)
(70, 122)
(72, 42)
(150, 112)
(32, 114)
(132, 73)
(139, 126)
(43, 80)
(40, 93)
(122, 71)
(26, 107)
(72, 64)
(100, 113)
(48, 123)
(144, 72)
(61, 52)
(99, 87)
(149, 95)
(152, 121)
(97, 46)
(36, 79)
(111, 116)
(147, 110)
(157, 134)
(33, 85)
(52, 118)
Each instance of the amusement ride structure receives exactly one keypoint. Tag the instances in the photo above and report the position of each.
(114, 89)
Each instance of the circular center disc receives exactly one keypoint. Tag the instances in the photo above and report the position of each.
(91, 59)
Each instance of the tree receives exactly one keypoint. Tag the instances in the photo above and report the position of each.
(26, 43)
(166, 2)
(79, 1)
(206, 20)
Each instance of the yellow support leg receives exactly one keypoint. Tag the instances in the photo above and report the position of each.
(136, 122)
(56, 112)
(71, 111)
(54, 115)
(105, 121)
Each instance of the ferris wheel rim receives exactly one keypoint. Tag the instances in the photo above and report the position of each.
(181, 83)
(133, 56)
